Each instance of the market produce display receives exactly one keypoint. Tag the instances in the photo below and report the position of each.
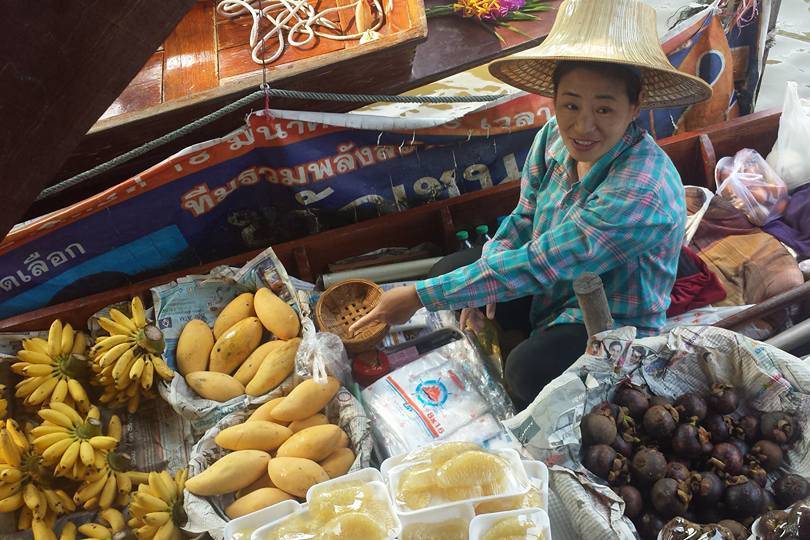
(229, 360)
(698, 458)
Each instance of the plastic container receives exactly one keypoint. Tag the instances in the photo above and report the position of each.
(517, 483)
(462, 510)
(243, 527)
(264, 531)
(481, 524)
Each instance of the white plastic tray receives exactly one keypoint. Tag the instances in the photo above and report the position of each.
(518, 483)
(242, 528)
(462, 510)
(481, 524)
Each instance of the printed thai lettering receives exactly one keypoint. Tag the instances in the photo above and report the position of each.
(307, 197)
(241, 137)
(448, 178)
(310, 126)
(25, 277)
(427, 186)
(57, 258)
(511, 166)
(321, 169)
(344, 161)
(199, 159)
(478, 173)
(504, 122)
(271, 131)
(269, 173)
(35, 264)
(8, 283)
(248, 177)
(222, 192)
(385, 152)
(198, 200)
(289, 178)
(78, 247)
(524, 119)
(365, 156)
(375, 200)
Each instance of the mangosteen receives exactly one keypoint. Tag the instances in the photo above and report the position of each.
(649, 525)
(706, 487)
(789, 489)
(709, 514)
(690, 441)
(741, 445)
(768, 501)
(755, 472)
(606, 408)
(736, 528)
(746, 428)
(596, 428)
(670, 498)
(660, 421)
(677, 471)
(600, 460)
(726, 458)
(743, 497)
(659, 400)
(633, 503)
(718, 426)
(623, 446)
(648, 466)
(723, 399)
(778, 427)
(636, 400)
(768, 454)
(691, 406)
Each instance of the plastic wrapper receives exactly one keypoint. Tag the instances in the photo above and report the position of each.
(203, 297)
(752, 186)
(319, 353)
(789, 155)
(206, 514)
(438, 397)
(683, 360)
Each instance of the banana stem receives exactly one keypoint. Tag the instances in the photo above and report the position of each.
(151, 339)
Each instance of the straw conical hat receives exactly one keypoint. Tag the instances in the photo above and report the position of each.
(618, 31)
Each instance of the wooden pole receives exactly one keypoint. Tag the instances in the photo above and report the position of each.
(593, 303)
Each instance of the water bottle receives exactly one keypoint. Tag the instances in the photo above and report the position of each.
(482, 235)
(463, 238)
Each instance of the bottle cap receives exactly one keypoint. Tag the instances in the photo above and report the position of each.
(462, 235)
(482, 229)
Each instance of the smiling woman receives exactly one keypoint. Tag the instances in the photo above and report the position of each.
(597, 195)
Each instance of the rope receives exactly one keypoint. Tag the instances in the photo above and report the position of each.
(238, 104)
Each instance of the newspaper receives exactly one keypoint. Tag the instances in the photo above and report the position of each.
(203, 297)
(206, 514)
(682, 360)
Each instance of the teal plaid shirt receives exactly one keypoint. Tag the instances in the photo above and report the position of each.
(623, 221)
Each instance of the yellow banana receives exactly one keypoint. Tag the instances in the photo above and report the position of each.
(47, 429)
(94, 413)
(107, 493)
(37, 370)
(46, 441)
(112, 327)
(60, 391)
(138, 313)
(121, 500)
(123, 320)
(11, 503)
(136, 370)
(114, 518)
(43, 391)
(54, 502)
(66, 344)
(8, 490)
(78, 393)
(87, 453)
(124, 483)
(11, 476)
(180, 478)
(147, 531)
(68, 411)
(123, 364)
(25, 518)
(149, 502)
(8, 449)
(26, 386)
(69, 457)
(58, 418)
(35, 345)
(67, 502)
(133, 403)
(114, 427)
(163, 370)
(157, 519)
(68, 531)
(17, 435)
(41, 530)
(159, 489)
(113, 354)
(79, 343)
(55, 338)
(94, 530)
(34, 500)
(103, 442)
(56, 451)
(90, 490)
(138, 477)
(165, 531)
(108, 342)
(34, 357)
(90, 503)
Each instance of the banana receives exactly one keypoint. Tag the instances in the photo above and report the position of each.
(24, 519)
(165, 531)
(111, 356)
(123, 482)
(89, 490)
(136, 370)
(87, 453)
(56, 417)
(149, 502)
(8, 449)
(157, 519)
(161, 368)
(68, 458)
(78, 393)
(103, 442)
(123, 320)
(94, 530)
(123, 365)
(41, 530)
(35, 501)
(115, 428)
(70, 412)
(11, 503)
(67, 502)
(53, 454)
(108, 342)
(113, 328)
(138, 477)
(161, 489)
(55, 338)
(54, 502)
(36, 370)
(79, 344)
(107, 493)
(66, 344)
(68, 531)
(114, 519)
(60, 391)
(42, 391)
(138, 313)
(147, 377)
(11, 476)
(17, 436)
(35, 345)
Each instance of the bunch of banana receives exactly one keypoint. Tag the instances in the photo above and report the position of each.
(125, 361)
(3, 401)
(52, 369)
(69, 442)
(112, 525)
(156, 509)
(25, 484)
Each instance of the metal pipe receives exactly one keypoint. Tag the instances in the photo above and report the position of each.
(385, 273)
(792, 338)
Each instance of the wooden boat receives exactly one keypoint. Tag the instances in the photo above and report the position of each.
(694, 154)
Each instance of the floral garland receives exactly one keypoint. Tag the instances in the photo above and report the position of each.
(491, 13)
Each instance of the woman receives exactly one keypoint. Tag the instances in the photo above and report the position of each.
(597, 195)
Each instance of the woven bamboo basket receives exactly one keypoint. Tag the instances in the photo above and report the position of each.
(343, 304)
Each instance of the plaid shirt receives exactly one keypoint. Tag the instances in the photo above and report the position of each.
(623, 221)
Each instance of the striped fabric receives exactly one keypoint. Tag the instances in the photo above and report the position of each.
(624, 221)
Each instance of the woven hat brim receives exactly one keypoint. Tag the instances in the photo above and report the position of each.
(661, 87)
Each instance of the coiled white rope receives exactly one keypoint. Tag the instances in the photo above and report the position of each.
(293, 23)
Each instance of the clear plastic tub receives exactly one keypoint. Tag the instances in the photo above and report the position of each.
(242, 528)
(483, 523)
(436, 516)
(517, 483)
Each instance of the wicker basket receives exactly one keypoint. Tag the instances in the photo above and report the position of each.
(343, 304)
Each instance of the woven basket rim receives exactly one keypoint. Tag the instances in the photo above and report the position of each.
(373, 333)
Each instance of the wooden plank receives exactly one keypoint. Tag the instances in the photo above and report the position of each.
(191, 59)
(145, 90)
(60, 70)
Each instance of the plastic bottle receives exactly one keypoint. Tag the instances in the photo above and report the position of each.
(463, 238)
(482, 235)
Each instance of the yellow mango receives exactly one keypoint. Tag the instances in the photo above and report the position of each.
(256, 500)
(230, 473)
(263, 482)
(305, 400)
(235, 345)
(313, 443)
(295, 475)
(238, 309)
(251, 365)
(215, 386)
(259, 435)
(194, 347)
(263, 412)
(276, 315)
(276, 366)
(338, 462)
(314, 420)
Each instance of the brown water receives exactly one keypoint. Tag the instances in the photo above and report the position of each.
(788, 60)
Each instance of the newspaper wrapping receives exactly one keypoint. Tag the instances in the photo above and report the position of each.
(206, 514)
(687, 359)
(203, 297)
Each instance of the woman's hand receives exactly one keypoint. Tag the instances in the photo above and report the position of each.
(396, 306)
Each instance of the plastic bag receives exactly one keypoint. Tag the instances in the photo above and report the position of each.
(789, 155)
(321, 354)
(752, 186)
